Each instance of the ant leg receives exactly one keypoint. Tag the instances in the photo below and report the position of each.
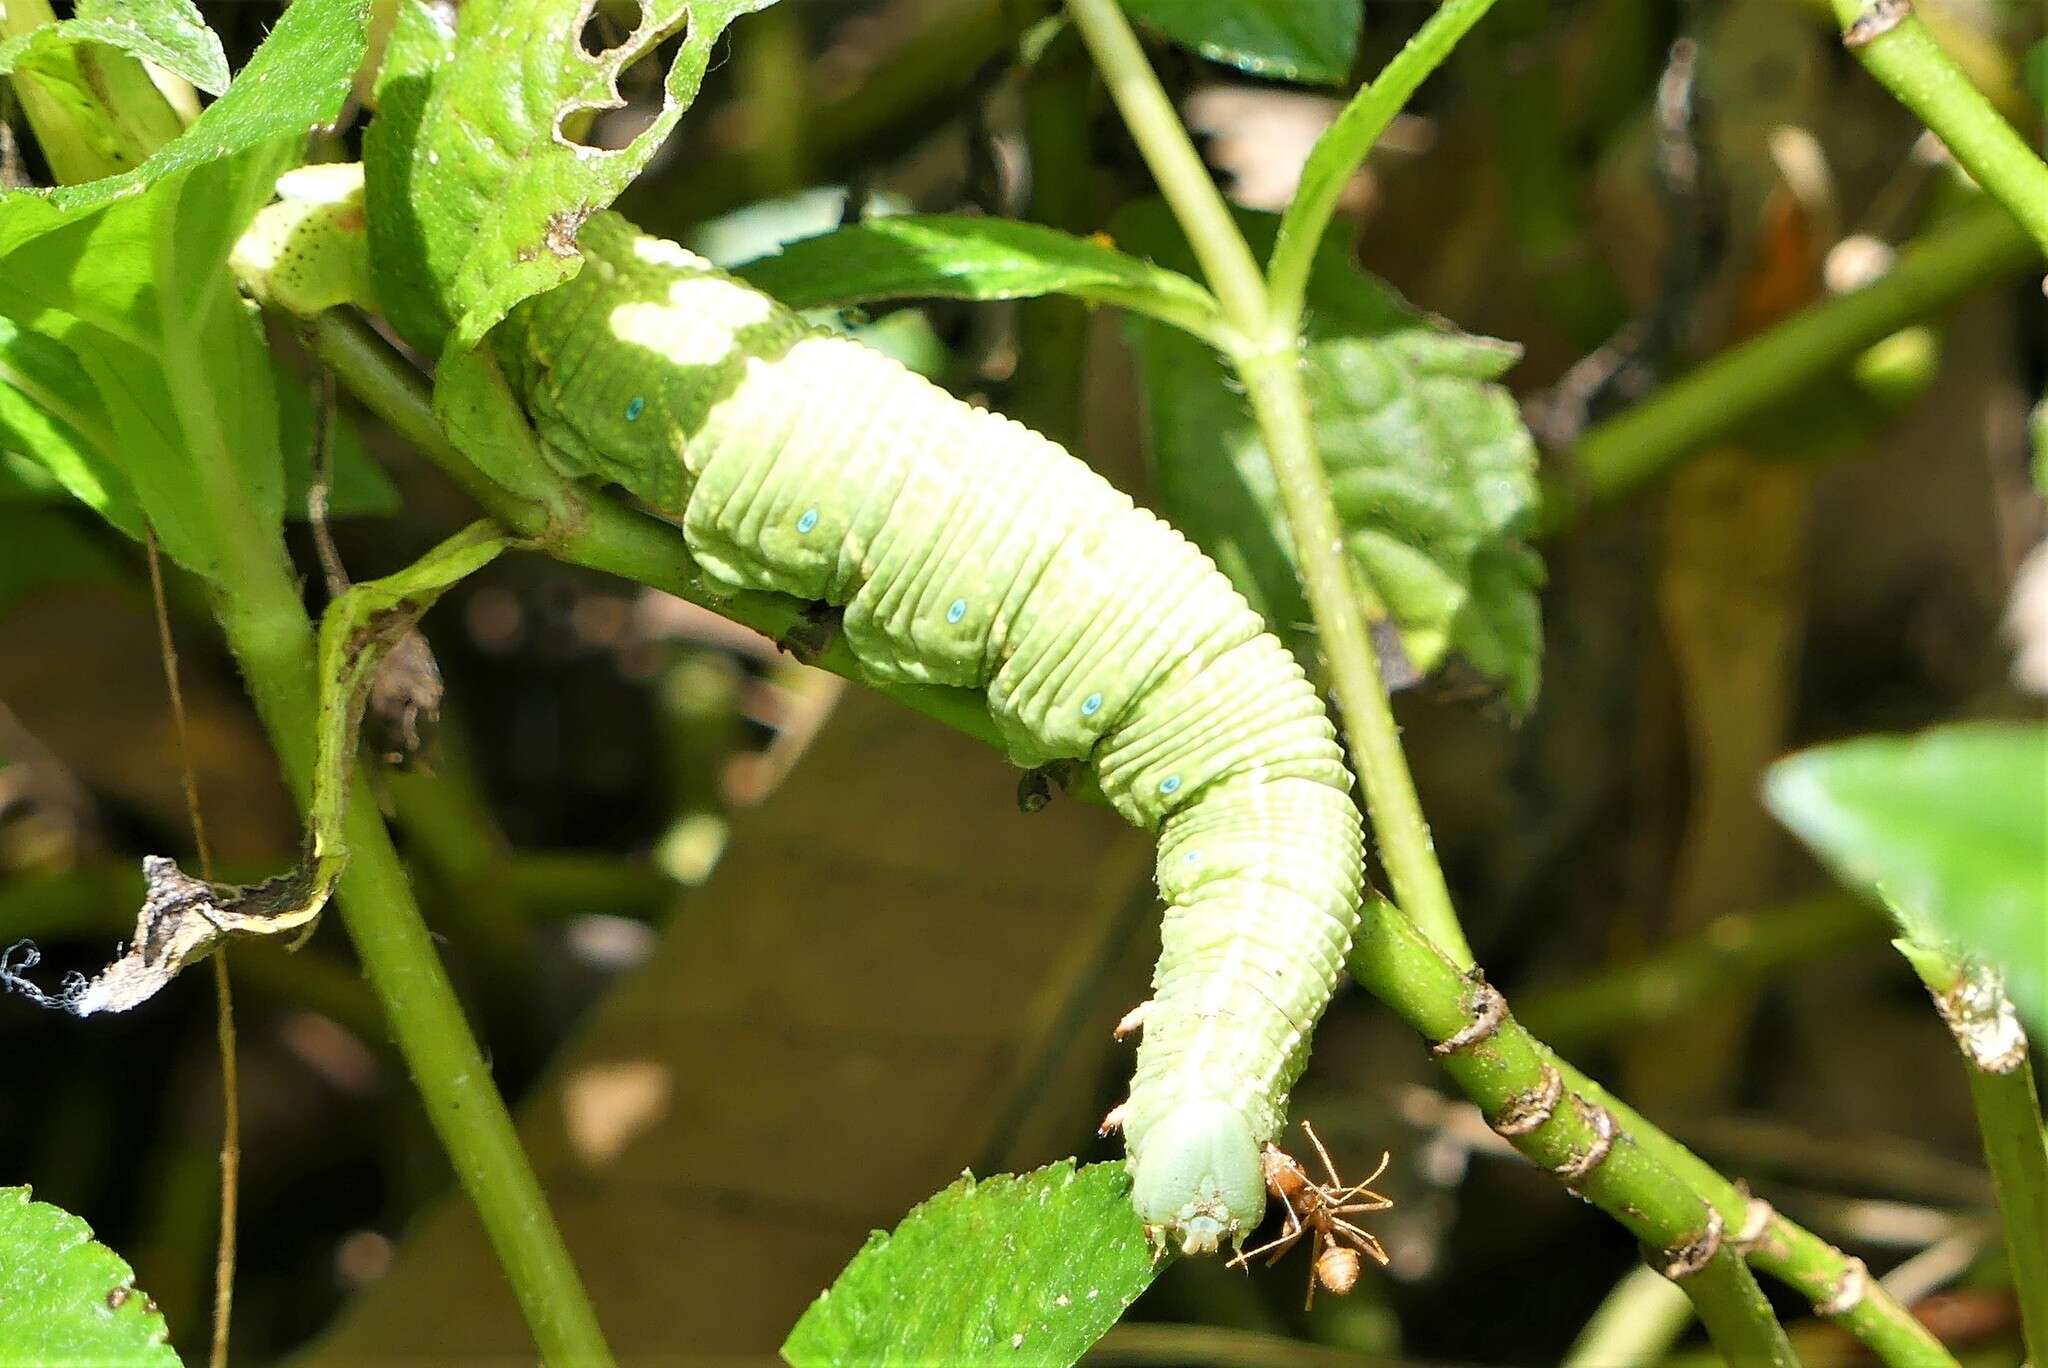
(1317, 1141)
(1243, 1258)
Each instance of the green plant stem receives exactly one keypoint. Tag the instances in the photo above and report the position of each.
(1972, 1001)
(1344, 147)
(1908, 61)
(267, 628)
(1504, 1069)
(1786, 1251)
(1617, 457)
(1637, 1322)
(1266, 355)
(388, 384)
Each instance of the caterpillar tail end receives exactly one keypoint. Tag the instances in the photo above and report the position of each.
(1196, 1178)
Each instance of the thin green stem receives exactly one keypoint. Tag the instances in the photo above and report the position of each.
(1280, 403)
(1637, 1322)
(1211, 231)
(1971, 999)
(1344, 146)
(1895, 47)
(267, 628)
(1621, 455)
(1269, 363)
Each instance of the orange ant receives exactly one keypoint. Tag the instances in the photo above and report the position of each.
(1318, 1211)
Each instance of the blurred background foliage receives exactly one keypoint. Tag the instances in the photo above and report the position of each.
(766, 961)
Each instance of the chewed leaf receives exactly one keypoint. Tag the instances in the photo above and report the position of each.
(1950, 827)
(66, 1299)
(1291, 40)
(1431, 470)
(1030, 1269)
(476, 181)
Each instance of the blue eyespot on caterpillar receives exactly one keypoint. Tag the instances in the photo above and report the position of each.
(634, 408)
(1079, 600)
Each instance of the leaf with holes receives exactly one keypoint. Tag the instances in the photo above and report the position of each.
(1030, 1269)
(1289, 40)
(1432, 472)
(1950, 827)
(476, 183)
(65, 1299)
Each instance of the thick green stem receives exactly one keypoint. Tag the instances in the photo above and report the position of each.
(1267, 358)
(1972, 1001)
(1896, 48)
(611, 539)
(1838, 1286)
(1513, 1078)
(267, 628)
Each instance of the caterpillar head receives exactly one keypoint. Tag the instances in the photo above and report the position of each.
(1196, 1176)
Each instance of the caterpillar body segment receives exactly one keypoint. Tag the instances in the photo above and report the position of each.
(967, 550)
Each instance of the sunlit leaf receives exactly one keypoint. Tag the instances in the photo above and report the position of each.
(1030, 1269)
(65, 1299)
(476, 183)
(957, 256)
(170, 33)
(1950, 827)
(1430, 467)
(168, 382)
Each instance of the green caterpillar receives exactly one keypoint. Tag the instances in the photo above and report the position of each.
(964, 550)
(968, 550)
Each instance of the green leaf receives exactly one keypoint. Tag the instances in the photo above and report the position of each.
(50, 414)
(65, 1299)
(475, 184)
(1030, 1269)
(1430, 467)
(128, 278)
(297, 80)
(1290, 40)
(170, 33)
(957, 256)
(1950, 827)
